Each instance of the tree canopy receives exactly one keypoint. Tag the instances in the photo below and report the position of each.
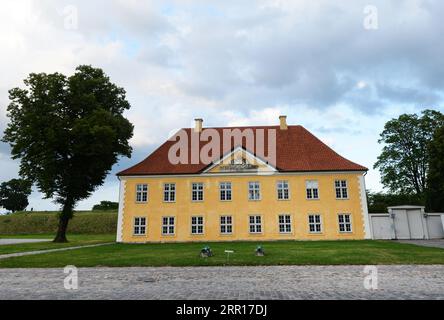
(404, 160)
(435, 178)
(14, 194)
(67, 133)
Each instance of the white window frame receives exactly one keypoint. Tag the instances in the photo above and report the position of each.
(315, 223)
(197, 191)
(197, 225)
(312, 190)
(225, 224)
(345, 223)
(139, 228)
(141, 193)
(285, 223)
(169, 192)
(256, 224)
(341, 189)
(254, 191)
(283, 190)
(225, 189)
(169, 224)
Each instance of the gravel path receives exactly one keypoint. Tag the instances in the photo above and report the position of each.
(272, 282)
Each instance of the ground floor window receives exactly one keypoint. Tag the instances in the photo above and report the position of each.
(197, 225)
(168, 225)
(285, 223)
(226, 224)
(139, 226)
(314, 223)
(255, 224)
(344, 223)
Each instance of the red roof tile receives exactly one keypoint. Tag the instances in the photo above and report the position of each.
(297, 150)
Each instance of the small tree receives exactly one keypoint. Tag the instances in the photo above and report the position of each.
(404, 160)
(106, 205)
(14, 194)
(67, 133)
(435, 177)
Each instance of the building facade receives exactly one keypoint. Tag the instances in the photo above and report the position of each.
(305, 192)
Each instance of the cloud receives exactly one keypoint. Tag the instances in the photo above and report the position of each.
(237, 63)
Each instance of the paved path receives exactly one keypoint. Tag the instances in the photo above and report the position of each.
(438, 243)
(20, 241)
(272, 282)
(30, 253)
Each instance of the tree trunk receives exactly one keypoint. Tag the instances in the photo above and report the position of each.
(64, 218)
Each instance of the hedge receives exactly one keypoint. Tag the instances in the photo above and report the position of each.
(46, 222)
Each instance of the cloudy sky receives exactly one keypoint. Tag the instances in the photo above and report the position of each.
(341, 70)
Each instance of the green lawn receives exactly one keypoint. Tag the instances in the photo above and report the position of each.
(277, 253)
(74, 240)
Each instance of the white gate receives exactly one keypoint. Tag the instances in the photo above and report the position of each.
(407, 222)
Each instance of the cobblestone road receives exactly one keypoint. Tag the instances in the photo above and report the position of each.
(273, 282)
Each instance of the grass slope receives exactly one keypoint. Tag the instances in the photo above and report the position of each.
(84, 222)
(74, 240)
(277, 253)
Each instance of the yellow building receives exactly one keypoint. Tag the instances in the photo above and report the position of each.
(269, 183)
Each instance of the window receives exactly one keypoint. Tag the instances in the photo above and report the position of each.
(341, 189)
(168, 225)
(169, 192)
(344, 223)
(141, 193)
(197, 192)
(139, 226)
(314, 223)
(312, 187)
(255, 224)
(225, 191)
(282, 190)
(197, 225)
(226, 224)
(284, 224)
(254, 191)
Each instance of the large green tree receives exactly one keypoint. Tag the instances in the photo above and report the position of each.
(67, 133)
(435, 178)
(14, 194)
(404, 160)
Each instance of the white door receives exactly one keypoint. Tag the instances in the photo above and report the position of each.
(415, 224)
(401, 222)
(435, 226)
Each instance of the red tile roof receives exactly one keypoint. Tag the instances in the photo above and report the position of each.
(297, 150)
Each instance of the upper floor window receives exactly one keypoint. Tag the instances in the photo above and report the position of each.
(254, 190)
(197, 225)
(225, 191)
(141, 193)
(344, 223)
(226, 224)
(341, 189)
(314, 223)
(139, 226)
(197, 193)
(285, 223)
(168, 226)
(283, 192)
(312, 188)
(255, 224)
(169, 192)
